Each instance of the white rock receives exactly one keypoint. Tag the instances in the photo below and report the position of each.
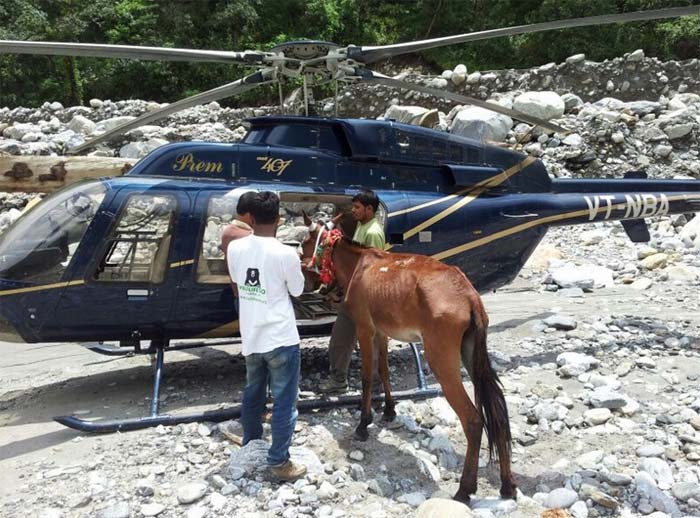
(561, 498)
(110, 124)
(579, 510)
(637, 55)
(659, 470)
(597, 416)
(544, 105)
(152, 509)
(191, 492)
(590, 460)
(412, 499)
(459, 74)
(442, 508)
(481, 124)
(405, 114)
(576, 58)
(356, 455)
(82, 125)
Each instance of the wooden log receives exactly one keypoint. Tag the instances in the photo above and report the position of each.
(48, 173)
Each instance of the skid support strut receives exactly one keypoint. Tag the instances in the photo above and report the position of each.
(304, 405)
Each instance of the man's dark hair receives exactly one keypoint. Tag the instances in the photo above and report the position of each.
(367, 197)
(244, 202)
(265, 207)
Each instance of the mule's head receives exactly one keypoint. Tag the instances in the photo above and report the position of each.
(312, 244)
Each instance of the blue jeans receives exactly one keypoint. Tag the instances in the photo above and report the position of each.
(280, 367)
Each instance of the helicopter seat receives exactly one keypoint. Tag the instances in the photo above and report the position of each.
(159, 263)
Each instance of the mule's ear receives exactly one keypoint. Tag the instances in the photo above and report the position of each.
(337, 218)
(307, 219)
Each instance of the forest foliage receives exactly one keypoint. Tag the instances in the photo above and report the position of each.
(260, 24)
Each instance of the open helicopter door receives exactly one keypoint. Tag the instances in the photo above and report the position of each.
(205, 302)
(130, 279)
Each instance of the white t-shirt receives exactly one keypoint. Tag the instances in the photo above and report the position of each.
(266, 272)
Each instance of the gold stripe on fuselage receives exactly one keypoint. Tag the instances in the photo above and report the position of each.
(534, 223)
(41, 287)
(223, 331)
(181, 263)
(471, 194)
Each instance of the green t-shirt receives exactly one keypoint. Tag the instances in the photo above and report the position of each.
(370, 234)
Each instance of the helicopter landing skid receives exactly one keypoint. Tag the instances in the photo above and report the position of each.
(116, 350)
(304, 405)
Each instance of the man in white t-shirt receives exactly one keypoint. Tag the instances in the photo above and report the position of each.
(266, 273)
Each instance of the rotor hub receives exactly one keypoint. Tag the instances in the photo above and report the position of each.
(305, 49)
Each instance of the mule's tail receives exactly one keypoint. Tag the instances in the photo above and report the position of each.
(488, 391)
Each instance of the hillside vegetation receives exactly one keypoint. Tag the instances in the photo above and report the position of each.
(258, 24)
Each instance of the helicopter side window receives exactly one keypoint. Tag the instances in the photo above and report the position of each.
(421, 147)
(138, 245)
(439, 150)
(403, 143)
(211, 267)
(473, 155)
(40, 245)
(456, 154)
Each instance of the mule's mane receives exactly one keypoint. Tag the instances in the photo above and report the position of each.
(354, 243)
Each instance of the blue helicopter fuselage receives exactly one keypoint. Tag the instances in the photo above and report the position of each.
(479, 207)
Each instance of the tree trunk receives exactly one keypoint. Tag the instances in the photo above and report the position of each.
(50, 173)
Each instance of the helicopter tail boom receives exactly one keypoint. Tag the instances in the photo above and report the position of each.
(627, 200)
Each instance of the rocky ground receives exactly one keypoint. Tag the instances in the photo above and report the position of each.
(601, 382)
(597, 344)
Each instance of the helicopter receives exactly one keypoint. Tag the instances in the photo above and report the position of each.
(136, 258)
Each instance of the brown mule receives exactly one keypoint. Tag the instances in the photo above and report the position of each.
(412, 297)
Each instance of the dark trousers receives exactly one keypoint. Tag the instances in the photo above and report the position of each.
(342, 344)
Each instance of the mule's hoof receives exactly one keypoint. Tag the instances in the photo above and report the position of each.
(361, 434)
(389, 416)
(461, 496)
(509, 492)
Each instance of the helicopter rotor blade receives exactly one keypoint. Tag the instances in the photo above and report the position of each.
(262, 77)
(367, 76)
(371, 54)
(248, 57)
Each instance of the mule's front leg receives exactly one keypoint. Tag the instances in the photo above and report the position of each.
(389, 404)
(366, 338)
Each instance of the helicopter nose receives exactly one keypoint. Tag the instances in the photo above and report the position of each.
(8, 333)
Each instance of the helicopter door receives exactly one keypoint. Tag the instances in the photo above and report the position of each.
(205, 303)
(130, 284)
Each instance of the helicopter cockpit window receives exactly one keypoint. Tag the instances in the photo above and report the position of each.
(41, 243)
(137, 248)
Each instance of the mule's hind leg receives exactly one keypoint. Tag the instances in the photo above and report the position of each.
(365, 335)
(495, 406)
(444, 360)
(389, 404)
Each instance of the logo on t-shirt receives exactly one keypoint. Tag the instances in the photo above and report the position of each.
(252, 277)
(252, 288)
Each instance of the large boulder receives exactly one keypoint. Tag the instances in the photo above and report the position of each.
(412, 115)
(481, 124)
(543, 105)
(82, 125)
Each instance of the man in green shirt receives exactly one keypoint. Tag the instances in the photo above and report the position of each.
(343, 340)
